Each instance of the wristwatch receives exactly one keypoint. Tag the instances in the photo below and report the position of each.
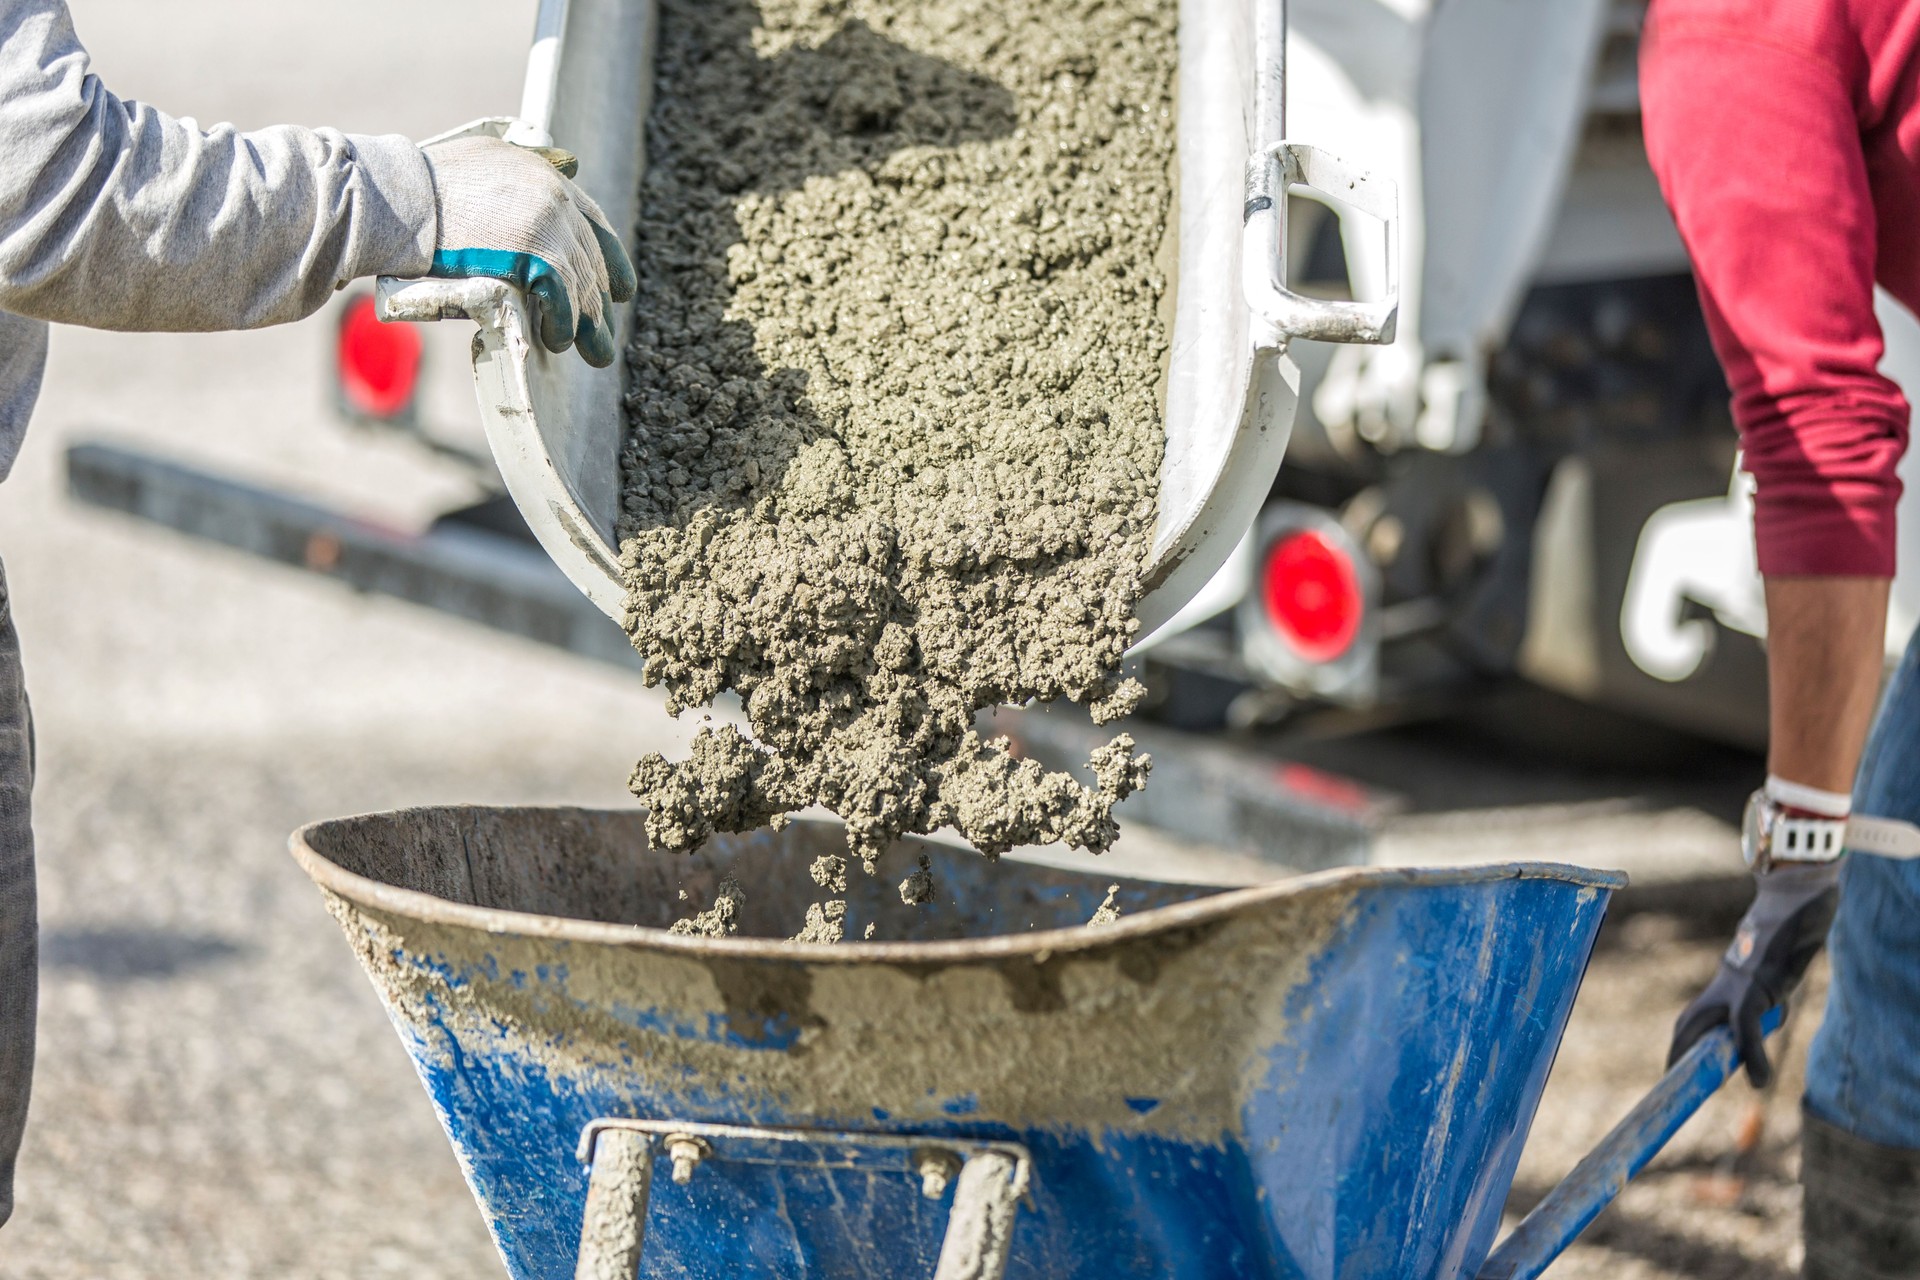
(1769, 835)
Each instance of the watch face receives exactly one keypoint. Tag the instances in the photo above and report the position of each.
(1756, 830)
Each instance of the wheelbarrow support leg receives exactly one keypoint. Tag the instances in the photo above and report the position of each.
(980, 1230)
(614, 1229)
(988, 1180)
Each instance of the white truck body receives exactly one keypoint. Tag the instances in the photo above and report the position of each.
(1511, 130)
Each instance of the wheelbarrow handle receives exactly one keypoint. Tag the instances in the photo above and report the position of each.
(987, 1178)
(1580, 1197)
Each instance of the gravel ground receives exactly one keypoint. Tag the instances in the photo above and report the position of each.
(219, 1095)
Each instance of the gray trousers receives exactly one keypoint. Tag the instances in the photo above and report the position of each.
(19, 929)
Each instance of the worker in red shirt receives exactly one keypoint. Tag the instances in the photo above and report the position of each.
(1786, 137)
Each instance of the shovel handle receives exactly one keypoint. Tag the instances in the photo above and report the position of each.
(1579, 1197)
(987, 1180)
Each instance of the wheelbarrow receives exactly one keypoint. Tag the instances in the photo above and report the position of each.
(1329, 1076)
(555, 426)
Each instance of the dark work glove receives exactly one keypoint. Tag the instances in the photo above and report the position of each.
(1777, 939)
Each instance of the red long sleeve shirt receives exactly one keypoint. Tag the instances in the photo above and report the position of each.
(1786, 136)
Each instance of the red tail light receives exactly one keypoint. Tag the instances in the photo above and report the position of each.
(378, 364)
(1312, 595)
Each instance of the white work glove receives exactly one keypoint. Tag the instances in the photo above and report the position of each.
(508, 214)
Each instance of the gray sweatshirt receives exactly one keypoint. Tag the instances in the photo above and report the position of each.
(117, 216)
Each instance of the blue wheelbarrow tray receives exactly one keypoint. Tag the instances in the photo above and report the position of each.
(1326, 1076)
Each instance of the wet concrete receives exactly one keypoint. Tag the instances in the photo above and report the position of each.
(894, 393)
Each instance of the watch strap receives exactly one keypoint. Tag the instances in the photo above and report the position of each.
(1797, 839)
(1883, 837)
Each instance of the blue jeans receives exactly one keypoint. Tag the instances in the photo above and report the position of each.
(1863, 1072)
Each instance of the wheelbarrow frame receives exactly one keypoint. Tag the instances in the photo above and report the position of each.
(991, 1177)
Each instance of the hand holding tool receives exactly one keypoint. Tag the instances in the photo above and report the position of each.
(1777, 939)
(510, 213)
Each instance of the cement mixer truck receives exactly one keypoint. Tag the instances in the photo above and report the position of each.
(1537, 479)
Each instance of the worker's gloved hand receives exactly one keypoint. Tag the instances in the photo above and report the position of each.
(505, 212)
(1777, 939)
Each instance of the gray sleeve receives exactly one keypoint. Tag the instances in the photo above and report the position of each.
(117, 216)
(23, 363)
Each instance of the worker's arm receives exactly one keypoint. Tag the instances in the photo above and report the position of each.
(115, 215)
(1826, 655)
(1826, 641)
(1787, 275)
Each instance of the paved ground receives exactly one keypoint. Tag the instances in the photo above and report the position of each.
(219, 1095)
